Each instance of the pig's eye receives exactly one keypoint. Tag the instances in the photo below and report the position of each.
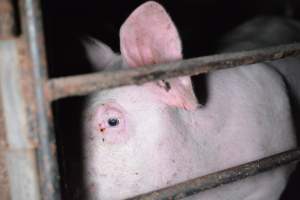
(113, 122)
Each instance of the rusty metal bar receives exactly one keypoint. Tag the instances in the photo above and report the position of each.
(4, 184)
(33, 66)
(20, 153)
(84, 84)
(213, 180)
(7, 19)
(31, 149)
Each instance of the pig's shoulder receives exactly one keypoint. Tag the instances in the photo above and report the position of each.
(252, 79)
(248, 89)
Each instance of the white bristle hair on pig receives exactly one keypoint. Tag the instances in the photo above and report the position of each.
(142, 138)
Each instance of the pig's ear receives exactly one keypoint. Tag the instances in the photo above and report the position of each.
(148, 37)
(177, 92)
(100, 55)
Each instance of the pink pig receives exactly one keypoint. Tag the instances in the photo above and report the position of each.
(141, 138)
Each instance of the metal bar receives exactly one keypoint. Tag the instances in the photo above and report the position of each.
(7, 21)
(230, 175)
(84, 84)
(20, 153)
(38, 108)
(4, 184)
(31, 149)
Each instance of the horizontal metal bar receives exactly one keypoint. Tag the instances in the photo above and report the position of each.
(230, 175)
(84, 84)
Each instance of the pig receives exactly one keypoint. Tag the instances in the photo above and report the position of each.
(141, 138)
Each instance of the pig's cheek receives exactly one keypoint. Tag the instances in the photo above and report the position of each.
(116, 135)
(110, 135)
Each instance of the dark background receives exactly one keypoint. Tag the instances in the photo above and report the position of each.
(201, 23)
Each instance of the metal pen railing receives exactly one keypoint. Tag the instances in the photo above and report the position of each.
(31, 149)
(84, 84)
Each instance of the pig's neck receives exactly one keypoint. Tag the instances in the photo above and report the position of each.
(204, 120)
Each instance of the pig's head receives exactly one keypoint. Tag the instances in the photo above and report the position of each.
(134, 135)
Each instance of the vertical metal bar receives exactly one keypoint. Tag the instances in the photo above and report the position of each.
(6, 31)
(40, 111)
(4, 184)
(20, 155)
(31, 154)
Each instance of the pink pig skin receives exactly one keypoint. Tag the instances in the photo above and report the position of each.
(141, 138)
